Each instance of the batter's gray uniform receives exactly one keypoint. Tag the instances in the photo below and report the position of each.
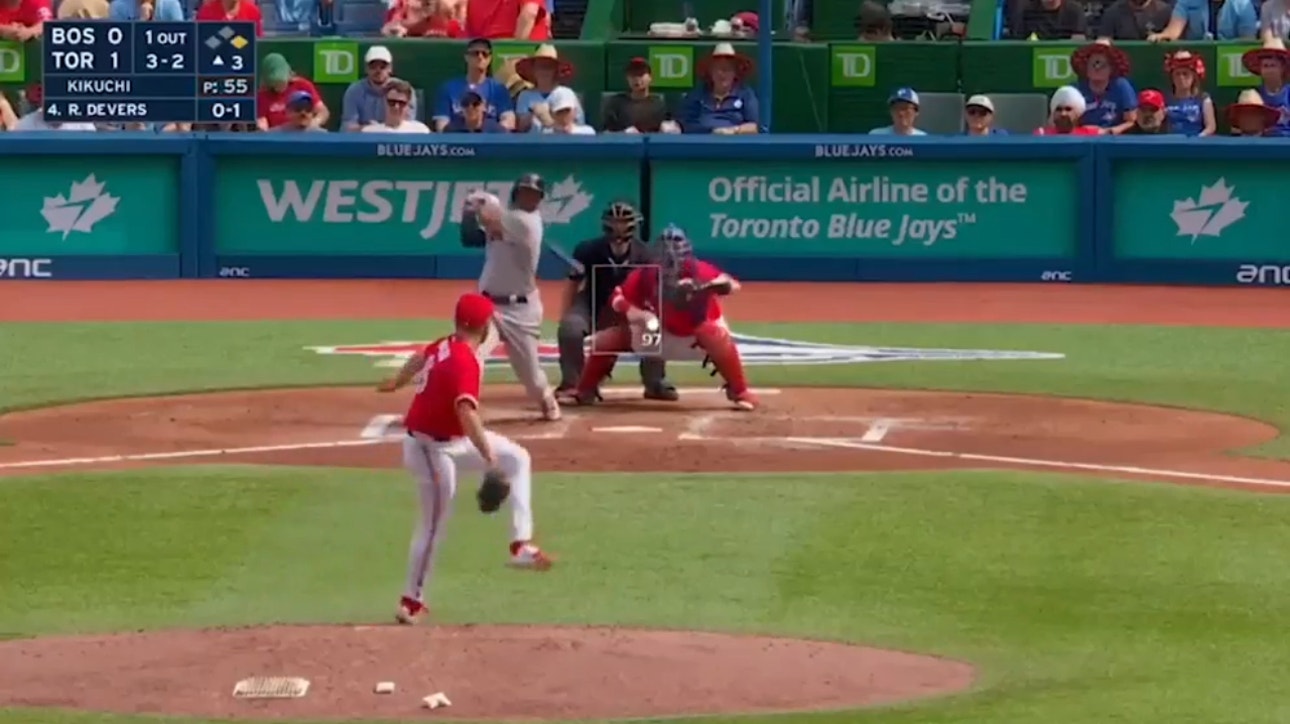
(510, 280)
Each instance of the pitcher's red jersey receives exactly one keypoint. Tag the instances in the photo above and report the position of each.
(452, 373)
(641, 289)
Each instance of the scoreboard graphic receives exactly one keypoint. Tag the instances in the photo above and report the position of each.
(149, 72)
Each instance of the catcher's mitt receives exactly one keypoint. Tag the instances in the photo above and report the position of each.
(493, 491)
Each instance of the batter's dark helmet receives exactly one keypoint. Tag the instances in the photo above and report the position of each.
(529, 181)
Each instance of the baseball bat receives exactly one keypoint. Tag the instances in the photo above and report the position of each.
(561, 254)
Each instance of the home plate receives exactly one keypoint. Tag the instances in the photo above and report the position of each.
(627, 428)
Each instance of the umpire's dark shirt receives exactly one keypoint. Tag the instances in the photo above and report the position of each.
(596, 259)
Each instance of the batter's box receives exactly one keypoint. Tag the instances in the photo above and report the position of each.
(859, 427)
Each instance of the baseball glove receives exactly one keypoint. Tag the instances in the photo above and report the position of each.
(493, 491)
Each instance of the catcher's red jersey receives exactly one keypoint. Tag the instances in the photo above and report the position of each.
(452, 373)
(641, 288)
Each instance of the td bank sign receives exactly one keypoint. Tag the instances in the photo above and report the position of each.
(1051, 66)
(853, 66)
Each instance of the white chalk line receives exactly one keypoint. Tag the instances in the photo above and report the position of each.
(845, 443)
(182, 454)
(878, 429)
(1039, 462)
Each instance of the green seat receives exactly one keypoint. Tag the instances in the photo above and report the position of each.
(941, 114)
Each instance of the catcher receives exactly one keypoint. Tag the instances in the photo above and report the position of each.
(686, 317)
(600, 265)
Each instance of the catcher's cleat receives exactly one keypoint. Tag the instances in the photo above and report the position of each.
(527, 556)
(585, 398)
(664, 392)
(745, 400)
(410, 611)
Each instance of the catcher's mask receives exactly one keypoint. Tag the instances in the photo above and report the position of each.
(672, 251)
(620, 221)
(535, 185)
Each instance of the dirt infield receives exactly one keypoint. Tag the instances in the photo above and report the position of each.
(807, 429)
(487, 672)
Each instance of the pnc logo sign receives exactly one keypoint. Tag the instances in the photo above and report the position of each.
(854, 66)
(672, 66)
(1052, 67)
(11, 62)
(335, 61)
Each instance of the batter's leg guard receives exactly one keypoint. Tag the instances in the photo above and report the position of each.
(717, 344)
(606, 345)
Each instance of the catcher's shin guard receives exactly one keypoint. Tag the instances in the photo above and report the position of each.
(605, 348)
(721, 351)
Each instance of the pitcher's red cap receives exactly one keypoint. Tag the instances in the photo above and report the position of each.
(473, 310)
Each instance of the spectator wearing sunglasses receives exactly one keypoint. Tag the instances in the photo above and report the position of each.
(472, 118)
(498, 105)
(1065, 111)
(978, 117)
(364, 100)
(398, 104)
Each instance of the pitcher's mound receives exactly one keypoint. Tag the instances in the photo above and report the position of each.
(488, 672)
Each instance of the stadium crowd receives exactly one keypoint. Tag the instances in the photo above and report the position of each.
(533, 95)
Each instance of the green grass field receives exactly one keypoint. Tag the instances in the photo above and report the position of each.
(1078, 600)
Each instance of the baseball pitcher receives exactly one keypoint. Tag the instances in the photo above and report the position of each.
(679, 299)
(600, 265)
(512, 241)
(445, 435)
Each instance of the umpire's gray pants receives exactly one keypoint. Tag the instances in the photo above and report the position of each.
(575, 327)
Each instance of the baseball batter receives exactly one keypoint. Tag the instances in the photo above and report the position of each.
(445, 435)
(512, 241)
(680, 297)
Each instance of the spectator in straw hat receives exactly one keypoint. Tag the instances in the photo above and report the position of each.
(546, 71)
(1270, 63)
(722, 104)
(1110, 101)
(1250, 116)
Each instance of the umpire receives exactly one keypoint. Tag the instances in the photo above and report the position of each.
(601, 264)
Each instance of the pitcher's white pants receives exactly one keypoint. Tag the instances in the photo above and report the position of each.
(435, 465)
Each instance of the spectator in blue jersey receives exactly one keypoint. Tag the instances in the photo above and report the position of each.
(545, 71)
(364, 100)
(163, 11)
(472, 118)
(1110, 101)
(497, 99)
(978, 117)
(722, 104)
(1270, 63)
(1189, 107)
(903, 106)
